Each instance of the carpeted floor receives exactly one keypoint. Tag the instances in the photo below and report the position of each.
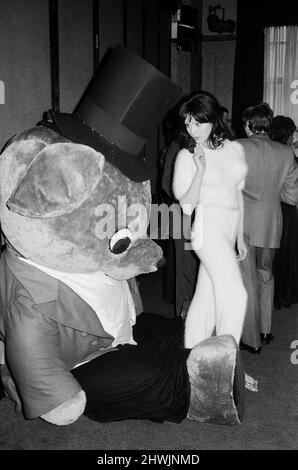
(270, 421)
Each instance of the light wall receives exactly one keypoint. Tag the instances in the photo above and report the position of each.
(25, 60)
(27, 87)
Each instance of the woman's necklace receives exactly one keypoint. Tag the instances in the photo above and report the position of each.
(205, 146)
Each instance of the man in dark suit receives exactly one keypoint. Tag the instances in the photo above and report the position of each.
(272, 177)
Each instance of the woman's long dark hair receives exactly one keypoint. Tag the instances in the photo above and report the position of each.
(203, 107)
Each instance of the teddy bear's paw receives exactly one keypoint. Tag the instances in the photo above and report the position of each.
(216, 379)
(68, 412)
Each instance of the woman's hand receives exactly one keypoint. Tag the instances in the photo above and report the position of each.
(241, 248)
(199, 158)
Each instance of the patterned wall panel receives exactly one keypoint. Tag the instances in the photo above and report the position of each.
(181, 69)
(218, 69)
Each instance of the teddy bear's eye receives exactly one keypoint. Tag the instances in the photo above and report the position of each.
(120, 241)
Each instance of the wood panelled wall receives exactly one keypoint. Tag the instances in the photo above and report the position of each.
(51, 48)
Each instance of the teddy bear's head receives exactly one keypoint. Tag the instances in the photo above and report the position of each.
(75, 191)
(62, 205)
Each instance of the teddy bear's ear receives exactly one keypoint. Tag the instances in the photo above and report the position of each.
(58, 180)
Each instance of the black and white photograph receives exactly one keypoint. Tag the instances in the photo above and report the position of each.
(148, 231)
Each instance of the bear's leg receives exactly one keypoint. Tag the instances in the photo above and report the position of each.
(217, 381)
(136, 382)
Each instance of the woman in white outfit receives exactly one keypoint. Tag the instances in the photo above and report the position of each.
(208, 178)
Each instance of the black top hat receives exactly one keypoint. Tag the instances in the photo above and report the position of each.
(126, 100)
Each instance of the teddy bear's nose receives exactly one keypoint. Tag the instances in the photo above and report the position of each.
(161, 262)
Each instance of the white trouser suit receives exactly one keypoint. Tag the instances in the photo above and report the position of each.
(219, 303)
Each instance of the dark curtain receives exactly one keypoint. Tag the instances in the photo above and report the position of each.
(248, 73)
(263, 13)
(252, 18)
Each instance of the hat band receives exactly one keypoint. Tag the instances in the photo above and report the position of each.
(109, 128)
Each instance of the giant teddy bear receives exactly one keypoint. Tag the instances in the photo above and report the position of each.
(75, 207)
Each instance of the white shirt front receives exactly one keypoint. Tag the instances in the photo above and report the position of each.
(110, 299)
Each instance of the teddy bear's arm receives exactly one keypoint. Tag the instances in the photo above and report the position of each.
(68, 412)
(32, 349)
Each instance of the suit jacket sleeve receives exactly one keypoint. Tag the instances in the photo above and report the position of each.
(33, 356)
(289, 191)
